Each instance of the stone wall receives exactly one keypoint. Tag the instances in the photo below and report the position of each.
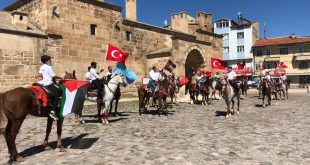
(19, 60)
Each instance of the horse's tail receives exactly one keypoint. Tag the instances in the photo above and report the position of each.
(1, 109)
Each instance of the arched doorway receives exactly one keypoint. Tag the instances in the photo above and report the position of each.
(193, 60)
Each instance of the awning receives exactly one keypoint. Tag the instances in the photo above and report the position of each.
(241, 71)
(302, 58)
(271, 59)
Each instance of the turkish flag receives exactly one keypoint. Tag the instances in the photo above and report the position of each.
(183, 80)
(115, 54)
(208, 74)
(241, 65)
(218, 64)
(281, 65)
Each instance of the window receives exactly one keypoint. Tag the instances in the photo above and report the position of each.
(240, 35)
(225, 36)
(128, 36)
(304, 79)
(222, 24)
(225, 49)
(267, 66)
(93, 30)
(21, 17)
(301, 49)
(240, 49)
(268, 53)
(259, 52)
(257, 66)
(303, 65)
(283, 50)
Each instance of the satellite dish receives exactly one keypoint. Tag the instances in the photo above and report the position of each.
(239, 15)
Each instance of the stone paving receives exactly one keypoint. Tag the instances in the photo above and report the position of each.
(190, 134)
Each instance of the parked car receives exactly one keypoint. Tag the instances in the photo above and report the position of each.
(253, 83)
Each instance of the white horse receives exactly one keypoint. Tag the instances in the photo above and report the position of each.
(109, 93)
(229, 95)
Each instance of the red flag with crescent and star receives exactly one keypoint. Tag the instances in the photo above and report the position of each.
(282, 65)
(115, 54)
(218, 64)
(183, 80)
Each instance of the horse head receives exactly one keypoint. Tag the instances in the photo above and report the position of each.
(119, 79)
(70, 75)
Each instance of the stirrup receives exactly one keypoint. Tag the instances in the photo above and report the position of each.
(53, 116)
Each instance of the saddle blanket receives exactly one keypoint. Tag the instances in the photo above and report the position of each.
(40, 95)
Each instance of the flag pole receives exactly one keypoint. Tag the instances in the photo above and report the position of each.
(105, 57)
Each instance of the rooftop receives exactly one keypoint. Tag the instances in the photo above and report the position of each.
(6, 24)
(281, 41)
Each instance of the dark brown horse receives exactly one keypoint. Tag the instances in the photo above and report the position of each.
(160, 95)
(16, 105)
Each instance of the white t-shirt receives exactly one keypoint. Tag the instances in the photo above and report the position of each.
(154, 75)
(267, 77)
(47, 75)
(231, 75)
(108, 73)
(93, 74)
(87, 76)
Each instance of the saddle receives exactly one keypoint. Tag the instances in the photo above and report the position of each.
(43, 95)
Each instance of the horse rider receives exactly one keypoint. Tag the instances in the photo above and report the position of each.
(232, 77)
(48, 81)
(154, 77)
(268, 78)
(96, 80)
(87, 75)
(109, 73)
(199, 80)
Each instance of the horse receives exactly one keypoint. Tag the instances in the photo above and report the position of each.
(267, 90)
(229, 94)
(16, 104)
(281, 88)
(173, 90)
(193, 91)
(109, 93)
(160, 95)
(216, 85)
(244, 87)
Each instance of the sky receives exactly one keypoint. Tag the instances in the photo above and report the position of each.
(281, 17)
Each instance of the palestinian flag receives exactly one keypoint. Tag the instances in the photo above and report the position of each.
(170, 66)
(73, 96)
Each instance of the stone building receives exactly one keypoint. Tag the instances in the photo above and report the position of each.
(293, 51)
(76, 32)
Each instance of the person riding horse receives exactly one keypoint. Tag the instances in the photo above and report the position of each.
(268, 78)
(96, 80)
(48, 82)
(109, 73)
(154, 77)
(199, 80)
(231, 77)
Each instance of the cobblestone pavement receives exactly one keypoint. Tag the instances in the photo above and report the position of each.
(190, 134)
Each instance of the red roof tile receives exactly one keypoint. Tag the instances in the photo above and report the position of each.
(281, 41)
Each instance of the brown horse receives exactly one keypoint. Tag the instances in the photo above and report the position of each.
(16, 105)
(267, 90)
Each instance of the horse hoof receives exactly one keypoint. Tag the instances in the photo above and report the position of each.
(237, 112)
(62, 149)
(47, 148)
(227, 116)
(264, 105)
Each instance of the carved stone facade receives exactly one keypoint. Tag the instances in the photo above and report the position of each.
(76, 32)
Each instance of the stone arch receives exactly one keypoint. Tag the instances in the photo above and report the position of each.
(194, 59)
